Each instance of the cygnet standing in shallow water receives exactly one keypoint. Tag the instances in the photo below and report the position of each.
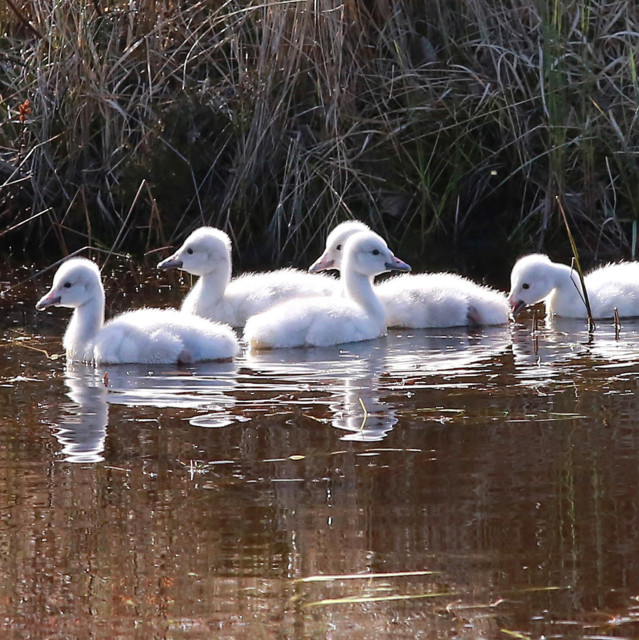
(535, 278)
(331, 320)
(207, 253)
(147, 336)
(424, 300)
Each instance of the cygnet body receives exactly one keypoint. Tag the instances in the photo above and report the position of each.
(423, 300)
(535, 278)
(330, 320)
(147, 336)
(207, 253)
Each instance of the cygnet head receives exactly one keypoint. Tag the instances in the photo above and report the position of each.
(531, 280)
(334, 251)
(76, 282)
(367, 254)
(206, 250)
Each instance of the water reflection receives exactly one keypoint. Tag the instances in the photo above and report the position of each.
(346, 379)
(360, 412)
(538, 355)
(205, 386)
(347, 387)
(359, 382)
(445, 358)
(82, 429)
(354, 389)
(562, 347)
(508, 469)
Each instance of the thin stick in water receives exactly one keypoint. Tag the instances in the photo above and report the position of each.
(361, 426)
(575, 253)
(535, 333)
(617, 322)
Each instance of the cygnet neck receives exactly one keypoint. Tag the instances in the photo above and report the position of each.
(566, 280)
(84, 326)
(212, 284)
(566, 299)
(359, 287)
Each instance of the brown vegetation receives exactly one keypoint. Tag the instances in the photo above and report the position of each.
(445, 124)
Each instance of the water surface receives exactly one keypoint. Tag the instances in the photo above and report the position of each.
(430, 484)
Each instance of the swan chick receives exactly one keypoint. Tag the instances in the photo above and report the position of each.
(147, 336)
(535, 278)
(335, 241)
(207, 253)
(327, 321)
(425, 300)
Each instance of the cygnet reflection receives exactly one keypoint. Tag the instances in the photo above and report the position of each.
(537, 353)
(207, 386)
(359, 411)
(357, 407)
(347, 378)
(83, 426)
(453, 356)
(616, 346)
(359, 378)
(559, 346)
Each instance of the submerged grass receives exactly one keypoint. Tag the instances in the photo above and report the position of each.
(447, 125)
(365, 576)
(372, 598)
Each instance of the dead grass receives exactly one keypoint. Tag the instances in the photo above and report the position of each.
(446, 124)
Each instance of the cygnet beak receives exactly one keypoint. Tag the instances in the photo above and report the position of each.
(516, 306)
(322, 264)
(173, 262)
(397, 265)
(50, 300)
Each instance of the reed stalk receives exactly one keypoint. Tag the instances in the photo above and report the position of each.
(577, 264)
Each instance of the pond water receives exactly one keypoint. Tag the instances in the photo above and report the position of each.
(430, 484)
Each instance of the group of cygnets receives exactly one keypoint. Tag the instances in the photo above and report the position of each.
(292, 308)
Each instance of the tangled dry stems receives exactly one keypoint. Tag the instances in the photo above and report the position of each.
(441, 123)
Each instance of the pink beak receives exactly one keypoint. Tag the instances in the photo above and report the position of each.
(322, 264)
(516, 306)
(173, 262)
(397, 265)
(48, 300)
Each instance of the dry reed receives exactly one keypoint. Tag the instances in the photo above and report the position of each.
(445, 124)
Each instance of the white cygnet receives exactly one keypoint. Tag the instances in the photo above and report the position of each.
(151, 336)
(423, 300)
(207, 253)
(535, 278)
(330, 320)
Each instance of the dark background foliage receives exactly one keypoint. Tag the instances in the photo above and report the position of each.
(452, 128)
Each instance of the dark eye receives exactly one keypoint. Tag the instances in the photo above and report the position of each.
(67, 285)
(189, 251)
(338, 247)
(525, 286)
(375, 252)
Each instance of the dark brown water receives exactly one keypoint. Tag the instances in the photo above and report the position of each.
(432, 484)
